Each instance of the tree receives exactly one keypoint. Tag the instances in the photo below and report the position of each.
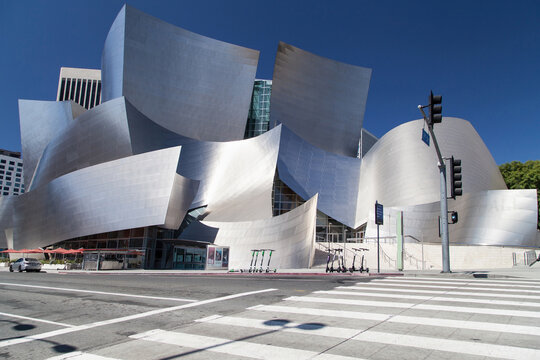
(519, 175)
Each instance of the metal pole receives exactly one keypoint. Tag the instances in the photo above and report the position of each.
(444, 220)
(378, 251)
(444, 205)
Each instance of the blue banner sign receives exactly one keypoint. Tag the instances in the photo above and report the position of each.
(379, 214)
(425, 137)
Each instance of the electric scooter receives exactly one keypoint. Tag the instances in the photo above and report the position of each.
(366, 269)
(268, 264)
(251, 263)
(341, 265)
(262, 260)
(328, 261)
(333, 258)
(254, 269)
(353, 268)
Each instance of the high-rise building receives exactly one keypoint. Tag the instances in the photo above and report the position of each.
(11, 173)
(80, 85)
(259, 110)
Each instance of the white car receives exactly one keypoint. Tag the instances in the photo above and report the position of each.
(27, 264)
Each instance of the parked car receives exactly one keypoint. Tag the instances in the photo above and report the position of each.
(27, 264)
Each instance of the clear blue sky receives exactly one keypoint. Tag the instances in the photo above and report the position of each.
(482, 56)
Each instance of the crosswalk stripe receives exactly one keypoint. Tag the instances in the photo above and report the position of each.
(232, 347)
(450, 292)
(439, 322)
(486, 281)
(450, 287)
(455, 346)
(79, 355)
(521, 313)
(475, 283)
(280, 325)
(431, 298)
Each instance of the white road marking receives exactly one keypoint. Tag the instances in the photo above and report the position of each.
(449, 292)
(450, 287)
(472, 282)
(476, 310)
(124, 318)
(232, 347)
(79, 355)
(35, 319)
(439, 322)
(431, 298)
(291, 327)
(99, 292)
(479, 280)
(454, 346)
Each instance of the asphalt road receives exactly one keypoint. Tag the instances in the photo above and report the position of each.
(50, 302)
(183, 316)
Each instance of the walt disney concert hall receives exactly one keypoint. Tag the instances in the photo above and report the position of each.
(163, 169)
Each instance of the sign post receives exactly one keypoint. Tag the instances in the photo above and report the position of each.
(379, 216)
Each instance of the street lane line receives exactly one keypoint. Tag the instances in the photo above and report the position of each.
(79, 355)
(125, 318)
(439, 322)
(472, 282)
(447, 292)
(231, 347)
(454, 346)
(480, 280)
(290, 327)
(392, 285)
(99, 292)
(34, 319)
(380, 304)
(430, 298)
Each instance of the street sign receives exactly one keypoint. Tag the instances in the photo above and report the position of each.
(425, 137)
(379, 214)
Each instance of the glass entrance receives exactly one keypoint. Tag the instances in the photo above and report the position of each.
(189, 258)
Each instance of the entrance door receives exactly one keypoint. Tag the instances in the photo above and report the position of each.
(189, 258)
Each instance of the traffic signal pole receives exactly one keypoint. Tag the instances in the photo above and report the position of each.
(444, 205)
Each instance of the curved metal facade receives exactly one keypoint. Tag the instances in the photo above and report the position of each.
(290, 235)
(400, 170)
(309, 170)
(197, 86)
(494, 217)
(122, 194)
(40, 122)
(321, 100)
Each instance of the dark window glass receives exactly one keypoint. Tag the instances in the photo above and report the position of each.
(78, 93)
(12, 163)
(2, 167)
(62, 87)
(6, 193)
(72, 95)
(84, 95)
(3, 161)
(93, 99)
(98, 95)
(11, 168)
(18, 175)
(1, 171)
(8, 178)
(87, 101)
(17, 185)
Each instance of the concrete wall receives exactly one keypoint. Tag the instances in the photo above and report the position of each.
(461, 257)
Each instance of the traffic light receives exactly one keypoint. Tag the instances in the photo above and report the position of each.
(454, 217)
(456, 187)
(435, 109)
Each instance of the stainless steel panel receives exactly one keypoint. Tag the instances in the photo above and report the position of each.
(132, 192)
(309, 170)
(291, 235)
(494, 217)
(197, 86)
(401, 170)
(40, 122)
(323, 101)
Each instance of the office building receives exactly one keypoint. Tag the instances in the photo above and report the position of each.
(80, 85)
(11, 173)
